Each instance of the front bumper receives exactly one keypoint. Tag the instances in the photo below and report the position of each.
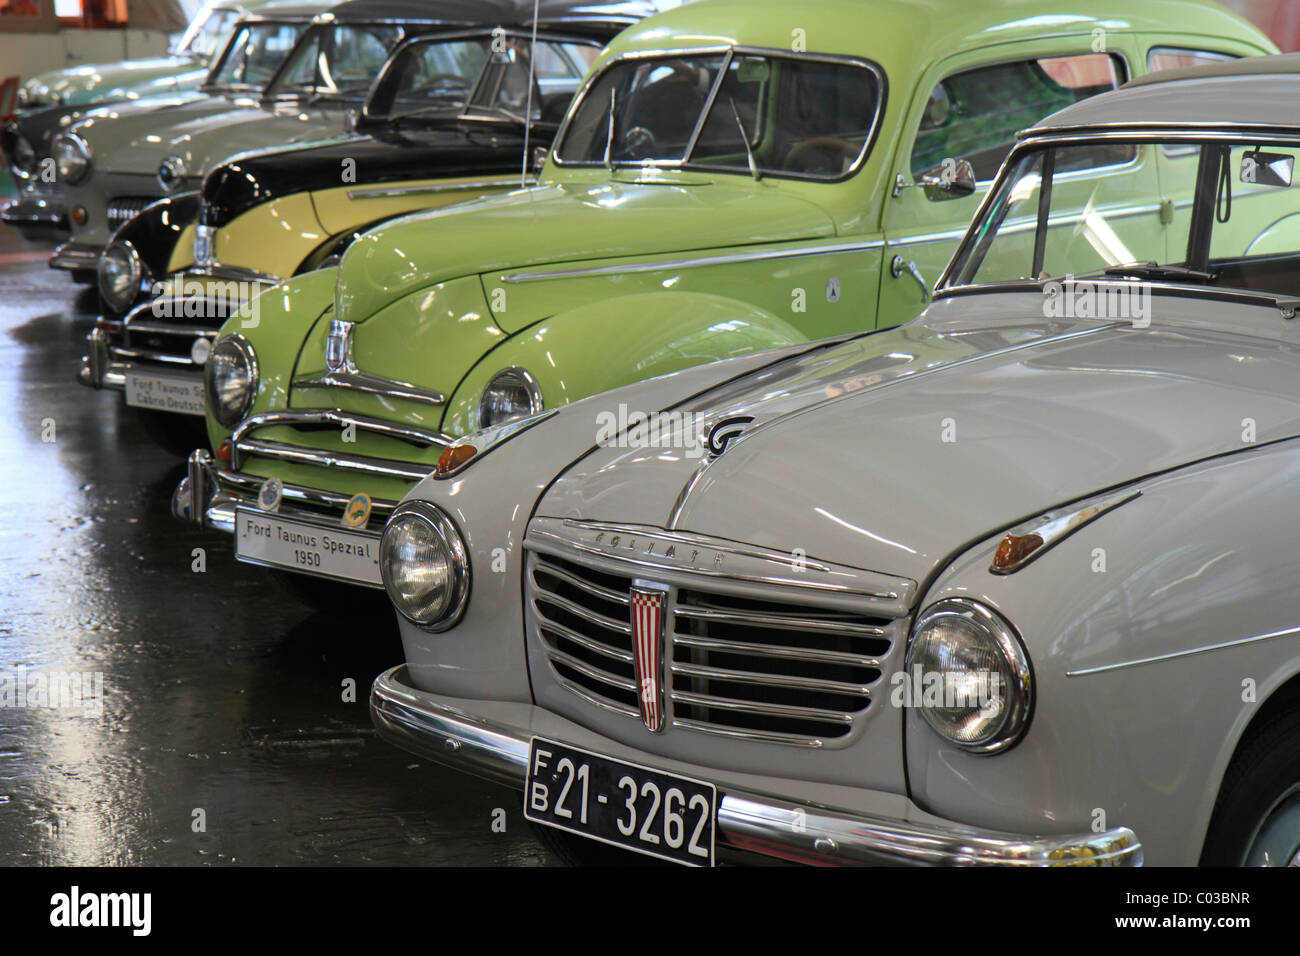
(492, 739)
(36, 216)
(106, 366)
(76, 257)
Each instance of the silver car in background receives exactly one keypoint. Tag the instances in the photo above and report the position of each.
(1013, 583)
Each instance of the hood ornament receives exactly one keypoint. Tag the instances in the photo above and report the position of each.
(724, 431)
(338, 347)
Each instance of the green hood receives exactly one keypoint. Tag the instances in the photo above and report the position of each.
(567, 223)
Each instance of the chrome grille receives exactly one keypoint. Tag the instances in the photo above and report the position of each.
(122, 208)
(794, 671)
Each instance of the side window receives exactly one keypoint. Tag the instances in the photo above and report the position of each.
(975, 114)
(1172, 58)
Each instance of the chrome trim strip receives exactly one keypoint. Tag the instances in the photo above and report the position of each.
(390, 192)
(758, 707)
(357, 381)
(586, 670)
(577, 610)
(758, 255)
(1055, 526)
(777, 620)
(605, 594)
(814, 684)
(1084, 671)
(765, 736)
(421, 437)
(583, 694)
(151, 355)
(441, 730)
(279, 451)
(776, 651)
(596, 647)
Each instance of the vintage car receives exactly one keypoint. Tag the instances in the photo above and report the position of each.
(182, 69)
(444, 122)
(660, 239)
(51, 102)
(1010, 584)
(118, 164)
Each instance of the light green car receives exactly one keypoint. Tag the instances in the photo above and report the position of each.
(734, 176)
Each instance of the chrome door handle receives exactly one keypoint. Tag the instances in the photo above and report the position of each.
(901, 265)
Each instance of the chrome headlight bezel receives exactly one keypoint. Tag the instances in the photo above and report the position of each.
(72, 157)
(24, 163)
(119, 297)
(229, 417)
(435, 521)
(493, 409)
(171, 173)
(1016, 675)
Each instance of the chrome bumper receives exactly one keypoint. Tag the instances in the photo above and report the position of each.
(208, 496)
(32, 213)
(75, 257)
(446, 732)
(101, 368)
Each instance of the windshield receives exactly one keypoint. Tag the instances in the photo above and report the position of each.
(337, 61)
(437, 78)
(206, 35)
(764, 114)
(1170, 210)
(253, 56)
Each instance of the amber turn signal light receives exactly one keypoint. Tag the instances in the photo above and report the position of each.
(79, 215)
(452, 457)
(1013, 549)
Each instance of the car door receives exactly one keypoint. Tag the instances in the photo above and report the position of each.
(971, 107)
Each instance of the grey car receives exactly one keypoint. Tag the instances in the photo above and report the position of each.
(1013, 583)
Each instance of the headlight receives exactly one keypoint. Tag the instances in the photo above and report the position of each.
(424, 565)
(971, 674)
(71, 157)
(230, 379)
(23, 97)
(171, 173)
(120, 272)
(512, 393)
(23, 161)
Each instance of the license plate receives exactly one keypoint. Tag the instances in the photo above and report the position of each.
(315, 548)
(165, 393)
(626, 805)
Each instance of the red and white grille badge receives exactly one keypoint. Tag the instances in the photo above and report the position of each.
(647, 639)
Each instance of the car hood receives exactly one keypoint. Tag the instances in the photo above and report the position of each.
(204, 140)
(566, 222)
(893, 451)
(103, 76)
(106, 128)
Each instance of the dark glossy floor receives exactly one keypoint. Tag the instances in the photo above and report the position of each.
(221, 693)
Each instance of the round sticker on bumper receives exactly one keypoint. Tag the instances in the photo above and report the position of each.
(268, 498)
(357, 512)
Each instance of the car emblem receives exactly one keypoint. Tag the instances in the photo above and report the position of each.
(357, 512)
(268, 497)
(203, 257)
(647, 639)
(723, 432)
(338, 347)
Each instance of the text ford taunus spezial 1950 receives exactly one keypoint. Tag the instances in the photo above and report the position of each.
(732, 177)
(444, 121)
(1012, 583)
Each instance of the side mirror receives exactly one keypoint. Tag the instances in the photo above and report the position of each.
(539, 158)
(951, 179)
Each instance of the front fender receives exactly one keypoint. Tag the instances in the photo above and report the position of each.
(1155, 634)
(275, 324)
(614, 342)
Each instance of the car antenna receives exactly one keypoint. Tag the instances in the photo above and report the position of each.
(609, 136)
(744, 138)
(528, 110)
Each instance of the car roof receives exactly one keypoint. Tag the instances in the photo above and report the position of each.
(909, 35)
(1253, 91)
(284, 10)
(472, 13)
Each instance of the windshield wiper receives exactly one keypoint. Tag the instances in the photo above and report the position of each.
(1153, 270)
(744, 138)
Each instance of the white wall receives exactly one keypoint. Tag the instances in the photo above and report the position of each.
(26, 54)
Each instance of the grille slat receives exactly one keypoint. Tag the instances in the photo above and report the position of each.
(122, 208)
(797, 670)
